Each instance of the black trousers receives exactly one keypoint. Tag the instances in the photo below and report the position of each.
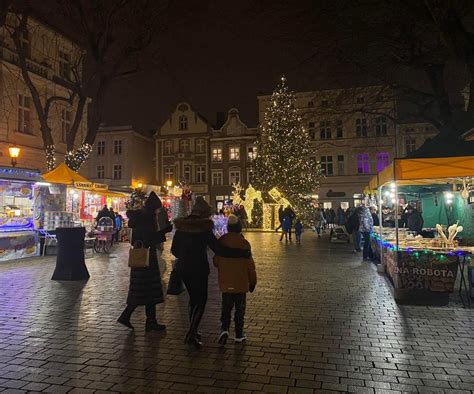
(229, 300)
(367, 251)
(196, 285)
(150, 311)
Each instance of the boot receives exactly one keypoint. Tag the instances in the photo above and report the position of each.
(192, 335)
(151, 323)
(125, 316)
(198, 333)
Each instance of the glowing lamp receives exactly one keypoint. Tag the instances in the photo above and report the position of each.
(169, 183)
(139, 185)
(14, 152)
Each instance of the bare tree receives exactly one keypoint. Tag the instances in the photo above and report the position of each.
(114, 35)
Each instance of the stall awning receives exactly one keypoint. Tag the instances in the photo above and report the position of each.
(110, 193)
(424, 171)
(64, 175)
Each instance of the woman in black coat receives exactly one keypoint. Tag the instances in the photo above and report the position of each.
(193, 236)
(145, 283)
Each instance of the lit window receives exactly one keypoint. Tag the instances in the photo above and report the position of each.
(341, 167)
(325, 130)
(183, 122)
(234, 153)
(312, 130)
(361, 127)
(64, 65)
(100, 172)
(380, 126)
(410, 144)
(217, 178)
(169, 173)
(200, 146)
(117, 147)
(234, 176)
(100, 148)
(382, 160)
(184, 146)
(24, 109)
(363, 163)
(200, 174)
(339, 129)
(326, 165)
(187, 174)
(117, 171)
(216, 154)
(251, 152)
(168, 147)
(65, 124)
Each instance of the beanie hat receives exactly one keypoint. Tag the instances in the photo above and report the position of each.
(233, 224)
(201, 208)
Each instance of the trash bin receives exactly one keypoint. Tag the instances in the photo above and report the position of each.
(70, 261)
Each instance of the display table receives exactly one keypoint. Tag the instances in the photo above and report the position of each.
(70, 262)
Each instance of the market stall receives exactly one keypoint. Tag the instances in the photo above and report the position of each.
(422, 257)
(17, 225)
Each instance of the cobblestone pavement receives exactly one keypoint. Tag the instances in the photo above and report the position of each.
(320, 320)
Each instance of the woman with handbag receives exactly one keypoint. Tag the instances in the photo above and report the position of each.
(193, 236)
(145, 281)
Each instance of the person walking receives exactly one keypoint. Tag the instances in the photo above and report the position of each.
(352, 226)
(318, 221)
(366, 227)
(145, 283)
(192, 238)
(285, 227)
(236, 278)
(280, 217)
(291, 214)
(298, 230)
(118, 227)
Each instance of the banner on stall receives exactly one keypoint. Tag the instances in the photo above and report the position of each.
(91, 186)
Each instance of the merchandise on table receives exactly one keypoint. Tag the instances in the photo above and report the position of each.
(54, 220)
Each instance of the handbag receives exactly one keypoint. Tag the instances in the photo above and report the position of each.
(138, 256)
(175, 284)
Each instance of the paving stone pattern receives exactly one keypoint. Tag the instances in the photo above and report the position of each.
(320, 321)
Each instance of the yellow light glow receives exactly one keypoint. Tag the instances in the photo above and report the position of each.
(14, 152)
(169, 183)
(139, 185)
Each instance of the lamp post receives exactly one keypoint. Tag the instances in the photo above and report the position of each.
(14, 152)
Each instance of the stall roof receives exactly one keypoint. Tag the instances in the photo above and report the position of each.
(424, 171)
(64, 175)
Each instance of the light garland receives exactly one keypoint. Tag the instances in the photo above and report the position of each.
(50, 157)
(75, 158)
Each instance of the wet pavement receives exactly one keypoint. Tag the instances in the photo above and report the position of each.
(320, 320)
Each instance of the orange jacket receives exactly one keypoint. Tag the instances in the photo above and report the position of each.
(236, 275)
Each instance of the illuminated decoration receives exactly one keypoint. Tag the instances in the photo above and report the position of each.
(14, 152)
(285, 158)
(250, 196)
(278, 197)
(75, 158)
(136, 200)
(50, 157)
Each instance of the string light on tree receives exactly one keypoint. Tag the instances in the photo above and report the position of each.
(75, 158)
(285, 159)
(50, 157)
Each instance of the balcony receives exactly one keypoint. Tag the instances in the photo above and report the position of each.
(43, 70)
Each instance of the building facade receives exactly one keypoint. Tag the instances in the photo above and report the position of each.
(122, 158)
(50, 59)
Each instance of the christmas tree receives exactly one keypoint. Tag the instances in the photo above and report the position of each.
(285, 158)
(137, 199)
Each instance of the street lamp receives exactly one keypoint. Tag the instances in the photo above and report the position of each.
(14, 153)
(169, 183)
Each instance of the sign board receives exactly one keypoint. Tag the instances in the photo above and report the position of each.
(91, 186)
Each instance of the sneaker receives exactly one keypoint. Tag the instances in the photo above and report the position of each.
(241, 339)
(223, 337)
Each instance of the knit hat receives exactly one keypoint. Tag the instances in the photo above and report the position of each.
(233, 224)
(201, 208)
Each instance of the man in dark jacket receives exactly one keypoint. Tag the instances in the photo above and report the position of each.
(352, 226)
(415, 220)
(280, 217)
(291, 214)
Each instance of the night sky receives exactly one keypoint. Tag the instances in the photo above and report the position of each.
(217, 55)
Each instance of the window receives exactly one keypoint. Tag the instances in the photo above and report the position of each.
(325, 130)
(200, 174)
(169, 174)
(117, 171)
(310, 104)
(100, 148)
(339, 129)
(183, 122)
(25, 41)
(360, 100)
(65, 124)
(216, 154)
(326, 165)
(184, 146)
(341, 166)
(24, 108)
(117, 147)
(100, 172)
(234, 153)
(64, 65)
(187, 174)
(363, 163)
(382, 160)
(168, 147)
(312, 130)
(251, 152)
(380, 126)
(379, 98)
(324, 103)
(361, 127)
(249, 176)
(234, 176)
(410, 144)
(217, 178)
(200, 146)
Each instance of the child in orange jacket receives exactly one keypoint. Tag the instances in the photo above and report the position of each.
(237, 276)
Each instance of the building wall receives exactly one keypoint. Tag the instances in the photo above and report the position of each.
(44, 66)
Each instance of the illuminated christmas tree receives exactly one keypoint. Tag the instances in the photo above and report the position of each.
(285, 158)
